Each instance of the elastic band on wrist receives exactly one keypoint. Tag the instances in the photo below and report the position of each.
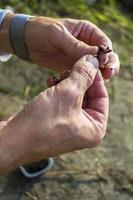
(17, 35)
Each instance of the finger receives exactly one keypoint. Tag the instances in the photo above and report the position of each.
(83, 73)
(65, 75)
(113, 62)
(98, 101)
(75, 48)
(98, 106)
(102, 55)
(92, 35)
(79, 80)
(107, 73)
(103, 60)
(112, 67)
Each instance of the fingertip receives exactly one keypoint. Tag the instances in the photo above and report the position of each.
(113, 62)
(107, 43)
(93, 50)
(107, 73)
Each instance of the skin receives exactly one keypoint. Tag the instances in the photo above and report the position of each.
(72, 40)
(58, 43)
(69, 116)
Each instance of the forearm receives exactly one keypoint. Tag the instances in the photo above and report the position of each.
(10, 151)
(5, 44)
(33, 38)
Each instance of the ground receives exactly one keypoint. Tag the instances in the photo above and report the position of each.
(102, 173)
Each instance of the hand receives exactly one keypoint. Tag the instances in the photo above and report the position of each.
(70, 116)
(59, 43)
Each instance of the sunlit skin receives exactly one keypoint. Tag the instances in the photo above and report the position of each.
(72, 113)
(59, 43)
(61, 119)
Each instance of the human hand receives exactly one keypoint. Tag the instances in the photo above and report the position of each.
(59, 43)
(70, 116)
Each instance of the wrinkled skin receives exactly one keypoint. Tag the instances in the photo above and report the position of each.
(59, 43)
(68, 116)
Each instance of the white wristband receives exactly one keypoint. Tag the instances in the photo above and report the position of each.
(3, 12)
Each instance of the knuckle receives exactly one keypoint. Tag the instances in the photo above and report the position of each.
(71, 93)
(41, 99)
(79, 45)
(108, 41)
(57, 26)
(85, 71)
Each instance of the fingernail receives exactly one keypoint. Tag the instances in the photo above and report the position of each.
(93, 61)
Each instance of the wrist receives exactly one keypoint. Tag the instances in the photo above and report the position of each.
(35, 26)
(37, 33)
(5, 45)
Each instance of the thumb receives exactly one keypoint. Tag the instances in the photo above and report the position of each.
(84, 72)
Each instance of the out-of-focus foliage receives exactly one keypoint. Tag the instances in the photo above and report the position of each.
(100, 12)
(48, 7)
(127, 3)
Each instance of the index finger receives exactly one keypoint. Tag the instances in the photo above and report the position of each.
(92, 35)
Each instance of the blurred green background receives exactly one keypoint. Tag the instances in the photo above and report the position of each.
(103, 173)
